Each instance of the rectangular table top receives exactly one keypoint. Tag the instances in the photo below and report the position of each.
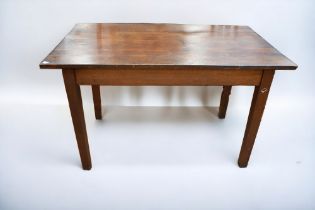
(101, 45)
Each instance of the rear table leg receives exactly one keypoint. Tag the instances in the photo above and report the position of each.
(224, 101)
(97, 101)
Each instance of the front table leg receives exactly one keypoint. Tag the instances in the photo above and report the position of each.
(255, 114)
(76, 108)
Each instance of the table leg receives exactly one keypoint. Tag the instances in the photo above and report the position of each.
(97, 101)
(255, 114)
(224, 101)
(76, 109)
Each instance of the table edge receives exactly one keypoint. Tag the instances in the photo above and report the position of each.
(145, 66)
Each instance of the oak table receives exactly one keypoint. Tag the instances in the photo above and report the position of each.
(165, 55)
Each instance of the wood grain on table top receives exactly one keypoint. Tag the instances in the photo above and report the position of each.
(102, 45)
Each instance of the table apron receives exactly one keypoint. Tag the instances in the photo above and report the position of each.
(164, 77)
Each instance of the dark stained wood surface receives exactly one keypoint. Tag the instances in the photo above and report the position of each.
(103, 45)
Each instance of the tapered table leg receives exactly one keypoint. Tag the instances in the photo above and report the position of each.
(97, 101)
(255, 114)
(224, 101)
(76, 109)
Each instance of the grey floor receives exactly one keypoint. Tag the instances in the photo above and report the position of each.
(155, 158)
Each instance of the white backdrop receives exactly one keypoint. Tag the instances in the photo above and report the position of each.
(154, 157)
(30, 29)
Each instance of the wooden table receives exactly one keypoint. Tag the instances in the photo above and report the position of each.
(165, 55)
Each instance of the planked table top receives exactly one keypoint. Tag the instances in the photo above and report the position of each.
(102, 45)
